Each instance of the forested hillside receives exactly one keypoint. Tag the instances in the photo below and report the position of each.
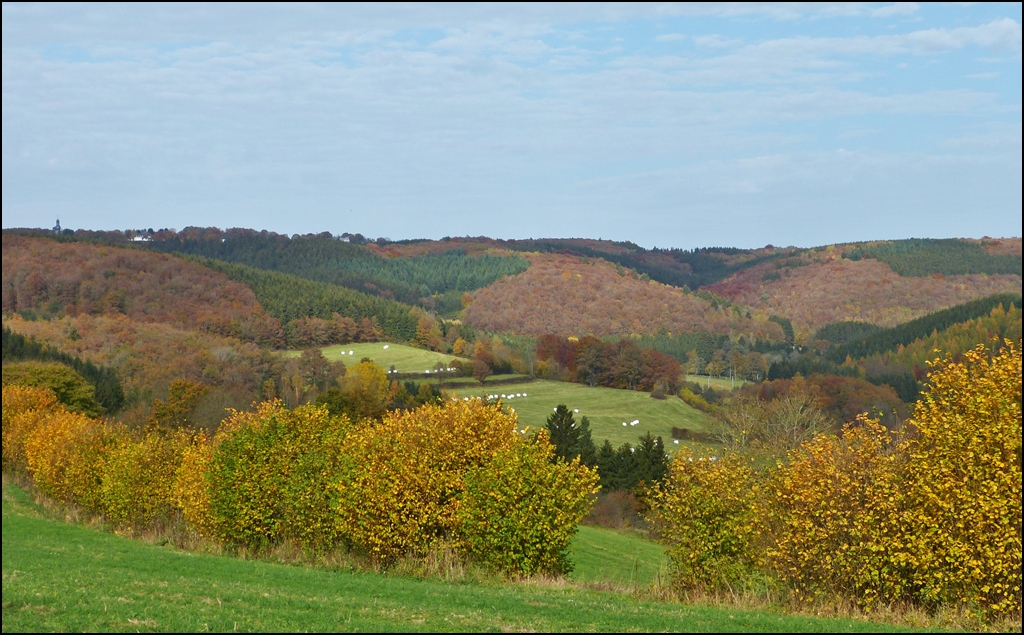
(569, 295)
(678, 267)
(893, 338)
(149, 356)
(288, 298)
(992, 329)
(433, 280)
(107, 385)
(50, 278)
(819, 287)
(924, 257)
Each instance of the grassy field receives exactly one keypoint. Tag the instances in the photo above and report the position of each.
(405, 359)
(717, 383)
(607, 409)
(622, 558)
(63, 577)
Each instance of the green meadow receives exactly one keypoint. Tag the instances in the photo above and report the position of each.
(405, 359)
(607, 408)
(63, 577)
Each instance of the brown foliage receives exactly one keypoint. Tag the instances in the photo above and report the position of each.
(562, 295)
(831, 289)
(843, 398)
(79, 278)
(149, 357)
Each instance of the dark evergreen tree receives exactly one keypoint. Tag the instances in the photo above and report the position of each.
(570, 439)
(651, 460)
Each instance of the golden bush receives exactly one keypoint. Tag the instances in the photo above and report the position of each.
(268, 477)
(24, 409)
(933, 518)
(521, 509)
(400, 481)
(190, 491)
(962, 514)
(829, 517)
(57, 443)
(138, 478)
(705, 510)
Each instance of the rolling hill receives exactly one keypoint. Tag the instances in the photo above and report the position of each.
(47, 277)
(819, 287)
(571, 295)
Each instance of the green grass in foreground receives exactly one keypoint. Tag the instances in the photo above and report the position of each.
(607, 409)
(62, 577)
(405, 359)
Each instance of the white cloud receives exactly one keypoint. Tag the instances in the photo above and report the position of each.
(670, 37)
(896, 8)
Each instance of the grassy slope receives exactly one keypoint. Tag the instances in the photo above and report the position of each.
(620, 558)
(406, 359)
(606, 408)
(62, 577)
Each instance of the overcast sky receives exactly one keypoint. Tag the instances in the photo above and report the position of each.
(671, 126)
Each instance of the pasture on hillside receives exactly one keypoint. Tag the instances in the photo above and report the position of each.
(63, 577)
(404, 358)
(607, 409)
(720, 384)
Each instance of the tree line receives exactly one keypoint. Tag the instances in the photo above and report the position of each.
(906, 333)
(677, 267)
(621, 364)
(289, 297)
(625, 468)
(108, 390)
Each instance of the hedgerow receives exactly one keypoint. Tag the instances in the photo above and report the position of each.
(930, 515)
(439, 477)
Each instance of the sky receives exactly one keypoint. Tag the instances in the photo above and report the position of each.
(666, 125)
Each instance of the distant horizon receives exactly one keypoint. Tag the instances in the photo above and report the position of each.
(338, 234)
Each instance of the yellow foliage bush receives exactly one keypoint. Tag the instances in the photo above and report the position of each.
(24, 409)
(963, 500)
(520, 510)
(705, 510)
(268, 477)
(138, 477)
(190, 491)
(829, 517)
(54, 451)
(934, 517)
(400, 481)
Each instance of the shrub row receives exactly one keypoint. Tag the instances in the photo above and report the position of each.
(930, 516)
(452, 476)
